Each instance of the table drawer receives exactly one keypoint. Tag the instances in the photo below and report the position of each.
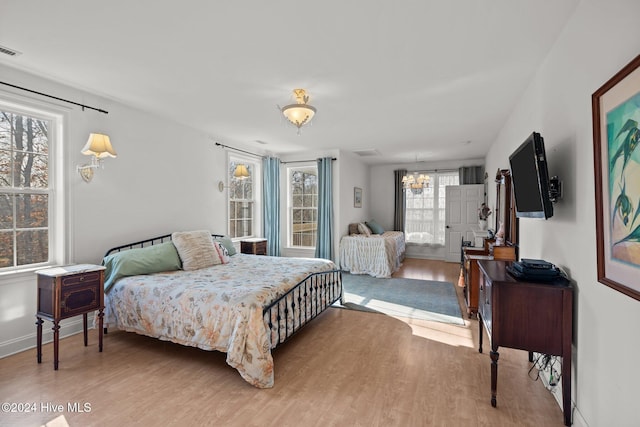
(79, 297)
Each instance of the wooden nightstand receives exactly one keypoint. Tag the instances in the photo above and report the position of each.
(256, 246)
(67, 292)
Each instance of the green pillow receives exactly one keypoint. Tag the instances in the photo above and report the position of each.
(227, 243)
(375, 227)
(152, 259)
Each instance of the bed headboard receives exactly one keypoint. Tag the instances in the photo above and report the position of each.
(145, 243)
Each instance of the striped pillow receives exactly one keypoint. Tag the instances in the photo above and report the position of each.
(196, 249)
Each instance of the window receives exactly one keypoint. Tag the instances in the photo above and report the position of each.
(27, 192)
(303, 206)
(425, 210)
(243, 211)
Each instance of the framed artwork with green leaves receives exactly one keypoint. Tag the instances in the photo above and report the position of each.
(616, 134)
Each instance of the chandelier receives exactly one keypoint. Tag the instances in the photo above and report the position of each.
(300, 113)
(415, 183)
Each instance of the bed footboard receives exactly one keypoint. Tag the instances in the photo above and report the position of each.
(301, 304)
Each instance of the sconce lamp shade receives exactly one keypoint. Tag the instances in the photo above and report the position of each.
(241, 172)
(98, 145)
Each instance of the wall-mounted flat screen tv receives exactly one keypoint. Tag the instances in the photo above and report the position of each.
(530, 179)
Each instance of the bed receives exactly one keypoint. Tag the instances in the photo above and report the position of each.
(378, 255)
(244, 307)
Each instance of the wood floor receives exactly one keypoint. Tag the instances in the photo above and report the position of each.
(346, 368)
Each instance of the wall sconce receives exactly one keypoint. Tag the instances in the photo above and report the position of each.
(98, 146)
(240, 173)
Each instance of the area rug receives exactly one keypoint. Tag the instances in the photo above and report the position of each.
(407, 298)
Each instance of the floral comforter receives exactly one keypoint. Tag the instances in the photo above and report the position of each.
(216, 308)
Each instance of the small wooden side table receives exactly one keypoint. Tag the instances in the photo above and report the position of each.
(66, 292)
(255, 246)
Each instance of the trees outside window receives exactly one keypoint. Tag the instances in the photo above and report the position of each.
(303, 206)
(242, 204)
(25, 189)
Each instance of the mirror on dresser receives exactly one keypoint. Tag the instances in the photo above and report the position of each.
(505, 249)
(506, 209)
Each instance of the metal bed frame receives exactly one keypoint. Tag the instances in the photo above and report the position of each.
(325, 288)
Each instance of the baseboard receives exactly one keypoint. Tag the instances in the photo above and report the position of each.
(26, 342)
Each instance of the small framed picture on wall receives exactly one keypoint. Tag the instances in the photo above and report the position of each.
(357, 197)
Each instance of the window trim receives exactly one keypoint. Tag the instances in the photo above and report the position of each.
(289, 229)
(257, 193)
(57, 189)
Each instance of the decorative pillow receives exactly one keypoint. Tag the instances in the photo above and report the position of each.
(152, 259)
(227, 244)
(196, 249)
(375, 227)
(353, 229)
(363, 229)
(222, 252)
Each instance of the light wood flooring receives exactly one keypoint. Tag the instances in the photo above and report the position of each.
(346, 368)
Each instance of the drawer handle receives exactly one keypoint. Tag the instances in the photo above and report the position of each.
(81, 278)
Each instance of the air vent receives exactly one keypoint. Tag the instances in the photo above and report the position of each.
(367, 153)
(9, 52)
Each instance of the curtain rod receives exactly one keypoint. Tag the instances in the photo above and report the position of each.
(237, 149)
(55, 97)
(304, 161)
(261, 156)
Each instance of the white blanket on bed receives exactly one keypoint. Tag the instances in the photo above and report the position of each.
(376, 255)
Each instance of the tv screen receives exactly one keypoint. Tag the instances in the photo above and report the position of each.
(531, 179)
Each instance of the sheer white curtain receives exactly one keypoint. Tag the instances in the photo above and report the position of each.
(425, 210)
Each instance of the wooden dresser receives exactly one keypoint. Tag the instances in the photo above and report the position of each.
(525, 315)
(471, 272)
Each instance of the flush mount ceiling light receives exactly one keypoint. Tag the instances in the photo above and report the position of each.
(300, 113)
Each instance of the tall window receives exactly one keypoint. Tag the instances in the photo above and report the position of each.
(26, 194)
(303, 206)
(242, 199)
(425, 210)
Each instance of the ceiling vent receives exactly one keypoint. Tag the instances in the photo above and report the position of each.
(8, 51)
(367, 153)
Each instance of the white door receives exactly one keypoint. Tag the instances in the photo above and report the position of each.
(461, 216)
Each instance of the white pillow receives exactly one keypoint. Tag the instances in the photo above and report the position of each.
(363, 229)
(196, 249)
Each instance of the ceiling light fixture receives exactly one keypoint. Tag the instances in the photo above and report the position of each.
(415, 182)
(300, 113)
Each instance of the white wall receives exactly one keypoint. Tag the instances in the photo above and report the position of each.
(164, 179)
(598, 41)
(353, 173)
(382, 205)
